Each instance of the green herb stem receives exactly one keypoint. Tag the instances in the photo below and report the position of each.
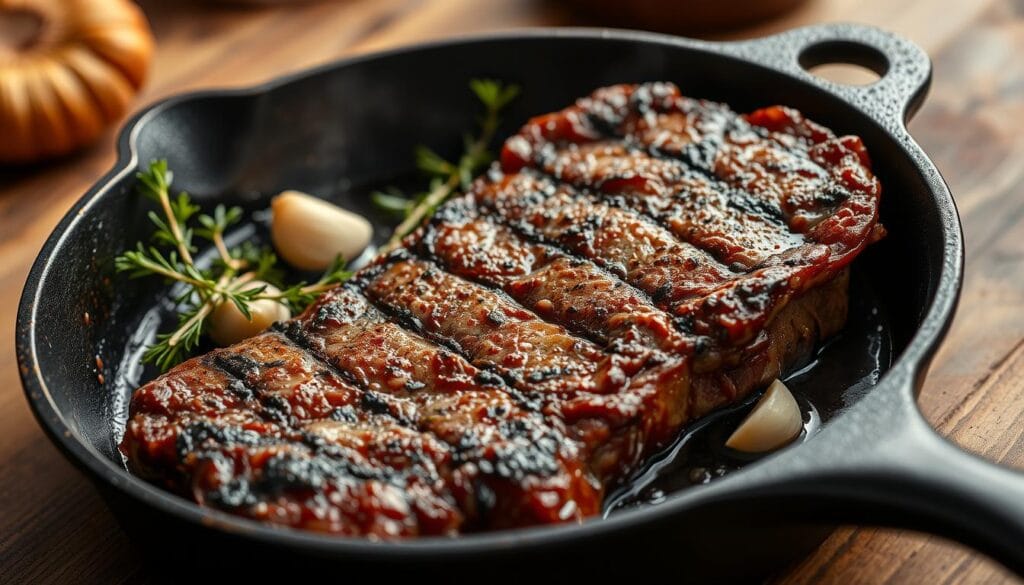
(172, 222)
(206, 289)
(449, 177)
(195, 320)
(418, 213)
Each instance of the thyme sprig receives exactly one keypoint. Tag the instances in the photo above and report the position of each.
(179, 222)
(446, 177)
(170, 256)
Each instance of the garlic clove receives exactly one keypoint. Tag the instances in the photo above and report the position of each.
(228, 325)
(775, 421)
(309, 233)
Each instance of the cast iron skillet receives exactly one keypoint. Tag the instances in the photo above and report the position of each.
(355, 123)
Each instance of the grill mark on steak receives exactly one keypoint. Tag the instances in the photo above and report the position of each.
(745, 299)
(779, 165)
(637, 260)
(266, 469)
(748, 298)
(641, 252)
(344, 321)
(568, 291)
(526, 244)
(574, 146)
(306, 388)
(499, 445)
(491, 330)
(443, 367)
(656, 118)
(736, 229)
(568, 376)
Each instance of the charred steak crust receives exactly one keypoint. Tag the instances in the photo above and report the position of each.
(633, 262)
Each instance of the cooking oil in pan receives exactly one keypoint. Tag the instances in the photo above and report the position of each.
(841, 372)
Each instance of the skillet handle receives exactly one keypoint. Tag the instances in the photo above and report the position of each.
(903, 67)
(889, 467)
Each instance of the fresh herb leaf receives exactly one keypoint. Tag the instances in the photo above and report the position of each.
(204, 290)
(447, 177)
(172, 348)
(494, 94)
(219, 222)
(300, 296)
(431, 163)
(392, 202)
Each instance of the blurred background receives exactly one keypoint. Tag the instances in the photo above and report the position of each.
(53, 527)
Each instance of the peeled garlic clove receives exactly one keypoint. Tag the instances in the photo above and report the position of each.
(228, 325)
(774, 422)
(309, 233)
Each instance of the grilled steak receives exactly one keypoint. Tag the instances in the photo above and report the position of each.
(633, 262)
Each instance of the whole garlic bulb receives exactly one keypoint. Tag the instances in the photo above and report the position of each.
(228, 325)
(309, 233)
(68, 69)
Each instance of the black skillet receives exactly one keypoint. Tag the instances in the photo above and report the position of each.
(340, 128)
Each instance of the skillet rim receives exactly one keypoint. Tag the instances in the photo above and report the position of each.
(909, 365)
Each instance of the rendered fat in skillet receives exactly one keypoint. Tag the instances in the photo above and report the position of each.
(633, 262)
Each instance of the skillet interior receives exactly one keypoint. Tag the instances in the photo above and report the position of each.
(339, 129)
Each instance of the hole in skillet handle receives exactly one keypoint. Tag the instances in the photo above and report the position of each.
(903, 68)
(846, 62)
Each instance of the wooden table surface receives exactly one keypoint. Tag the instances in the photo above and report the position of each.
(53, 526)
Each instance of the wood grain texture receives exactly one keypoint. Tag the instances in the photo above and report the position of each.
(53, 527)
